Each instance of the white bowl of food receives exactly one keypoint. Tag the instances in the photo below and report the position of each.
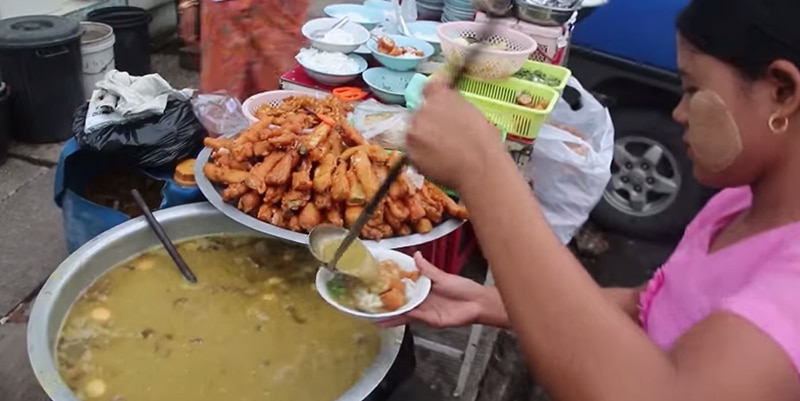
(331, 68)
(346, 39)
(352, 297)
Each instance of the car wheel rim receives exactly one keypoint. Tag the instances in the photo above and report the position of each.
(645, 177)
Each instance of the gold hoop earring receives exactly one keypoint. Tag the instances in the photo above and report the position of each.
(778, 128)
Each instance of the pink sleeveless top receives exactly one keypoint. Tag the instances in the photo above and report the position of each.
(757, 278)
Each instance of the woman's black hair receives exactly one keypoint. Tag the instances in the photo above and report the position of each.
(747, 34)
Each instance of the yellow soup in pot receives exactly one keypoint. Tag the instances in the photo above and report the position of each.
(252, 328)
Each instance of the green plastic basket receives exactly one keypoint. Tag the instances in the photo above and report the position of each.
(498, 102)
(557, 73)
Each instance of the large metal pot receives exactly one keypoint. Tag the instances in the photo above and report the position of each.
(97, 256)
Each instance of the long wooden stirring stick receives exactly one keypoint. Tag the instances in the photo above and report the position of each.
(162, 236)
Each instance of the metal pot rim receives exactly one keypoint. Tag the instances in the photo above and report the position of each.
(41, 325)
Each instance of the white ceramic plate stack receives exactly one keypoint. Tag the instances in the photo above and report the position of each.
(430, 9)
(458, 10)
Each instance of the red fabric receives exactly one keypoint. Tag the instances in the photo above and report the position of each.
(246, 45)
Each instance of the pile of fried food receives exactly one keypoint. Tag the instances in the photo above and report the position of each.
(303, 165)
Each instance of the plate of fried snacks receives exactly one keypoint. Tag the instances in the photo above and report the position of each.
(303, 164)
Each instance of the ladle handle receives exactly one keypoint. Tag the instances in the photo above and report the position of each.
(162, 236)
(368, 211)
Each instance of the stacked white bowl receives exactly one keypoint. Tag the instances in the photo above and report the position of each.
(357, 35)
(458, 10)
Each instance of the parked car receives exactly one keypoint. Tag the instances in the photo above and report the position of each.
(625, 54)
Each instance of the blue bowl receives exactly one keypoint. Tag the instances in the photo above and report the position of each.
(368, 17)
(426, 30)
(387, 85)
(402, 63)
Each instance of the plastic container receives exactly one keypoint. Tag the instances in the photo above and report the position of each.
(5, 122)
(40, 61)
(402, 63)
(551, 42)
(97, 51)
(84, 219)
(132, 33)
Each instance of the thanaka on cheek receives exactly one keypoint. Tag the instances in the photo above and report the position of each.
(713, 133)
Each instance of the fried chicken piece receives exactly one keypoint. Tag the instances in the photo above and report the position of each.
(357, 195)
(351, 214)
(322, 200)
(450, 206)
(350, 135)
(249, 202)
(334, 215)
(309, 217)
(294, 223)
(227, 160)
(336, 145)
(283, 140)
(423, 226)
(234, 191)
(301, 179)
(433, 208)
(314, 139)
(366, 177)
(396, 209)
(262, 148)
(224, 175)
(349, 152)
(324, 173)
(280, 174)
(265, 212)
(390, 219)
(218, 143)
(278, 218)
(294, 200)
(242, 152)
(415, 209)
(274, 194)
(404, 230)
(340, 183)
(252, 133)
(258, 174)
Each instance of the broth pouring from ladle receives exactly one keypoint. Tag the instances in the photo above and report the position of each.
(356, 261)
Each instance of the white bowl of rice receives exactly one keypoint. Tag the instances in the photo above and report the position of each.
(346, 39)
(370, 306)
(331, 68)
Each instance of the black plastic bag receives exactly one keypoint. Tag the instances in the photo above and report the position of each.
(153, 142)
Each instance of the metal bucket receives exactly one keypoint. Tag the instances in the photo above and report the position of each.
(107, 250)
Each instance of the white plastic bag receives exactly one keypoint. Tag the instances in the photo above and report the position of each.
(570, 174)
(383, 124)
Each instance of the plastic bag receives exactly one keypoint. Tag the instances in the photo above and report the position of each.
(383, 124)
(570, 173)
(220, 113)
(153, 142)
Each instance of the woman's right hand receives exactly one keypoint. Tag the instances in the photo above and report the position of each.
(187, 19)
(454, 301)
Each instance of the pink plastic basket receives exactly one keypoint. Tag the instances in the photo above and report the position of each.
(272, 98)
(489, 63)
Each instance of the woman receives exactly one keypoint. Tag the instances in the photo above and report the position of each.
(246, 45)
(721, 319)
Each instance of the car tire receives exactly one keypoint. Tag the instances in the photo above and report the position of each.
(644, 200)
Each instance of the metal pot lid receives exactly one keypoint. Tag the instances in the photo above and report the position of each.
(36, 31)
